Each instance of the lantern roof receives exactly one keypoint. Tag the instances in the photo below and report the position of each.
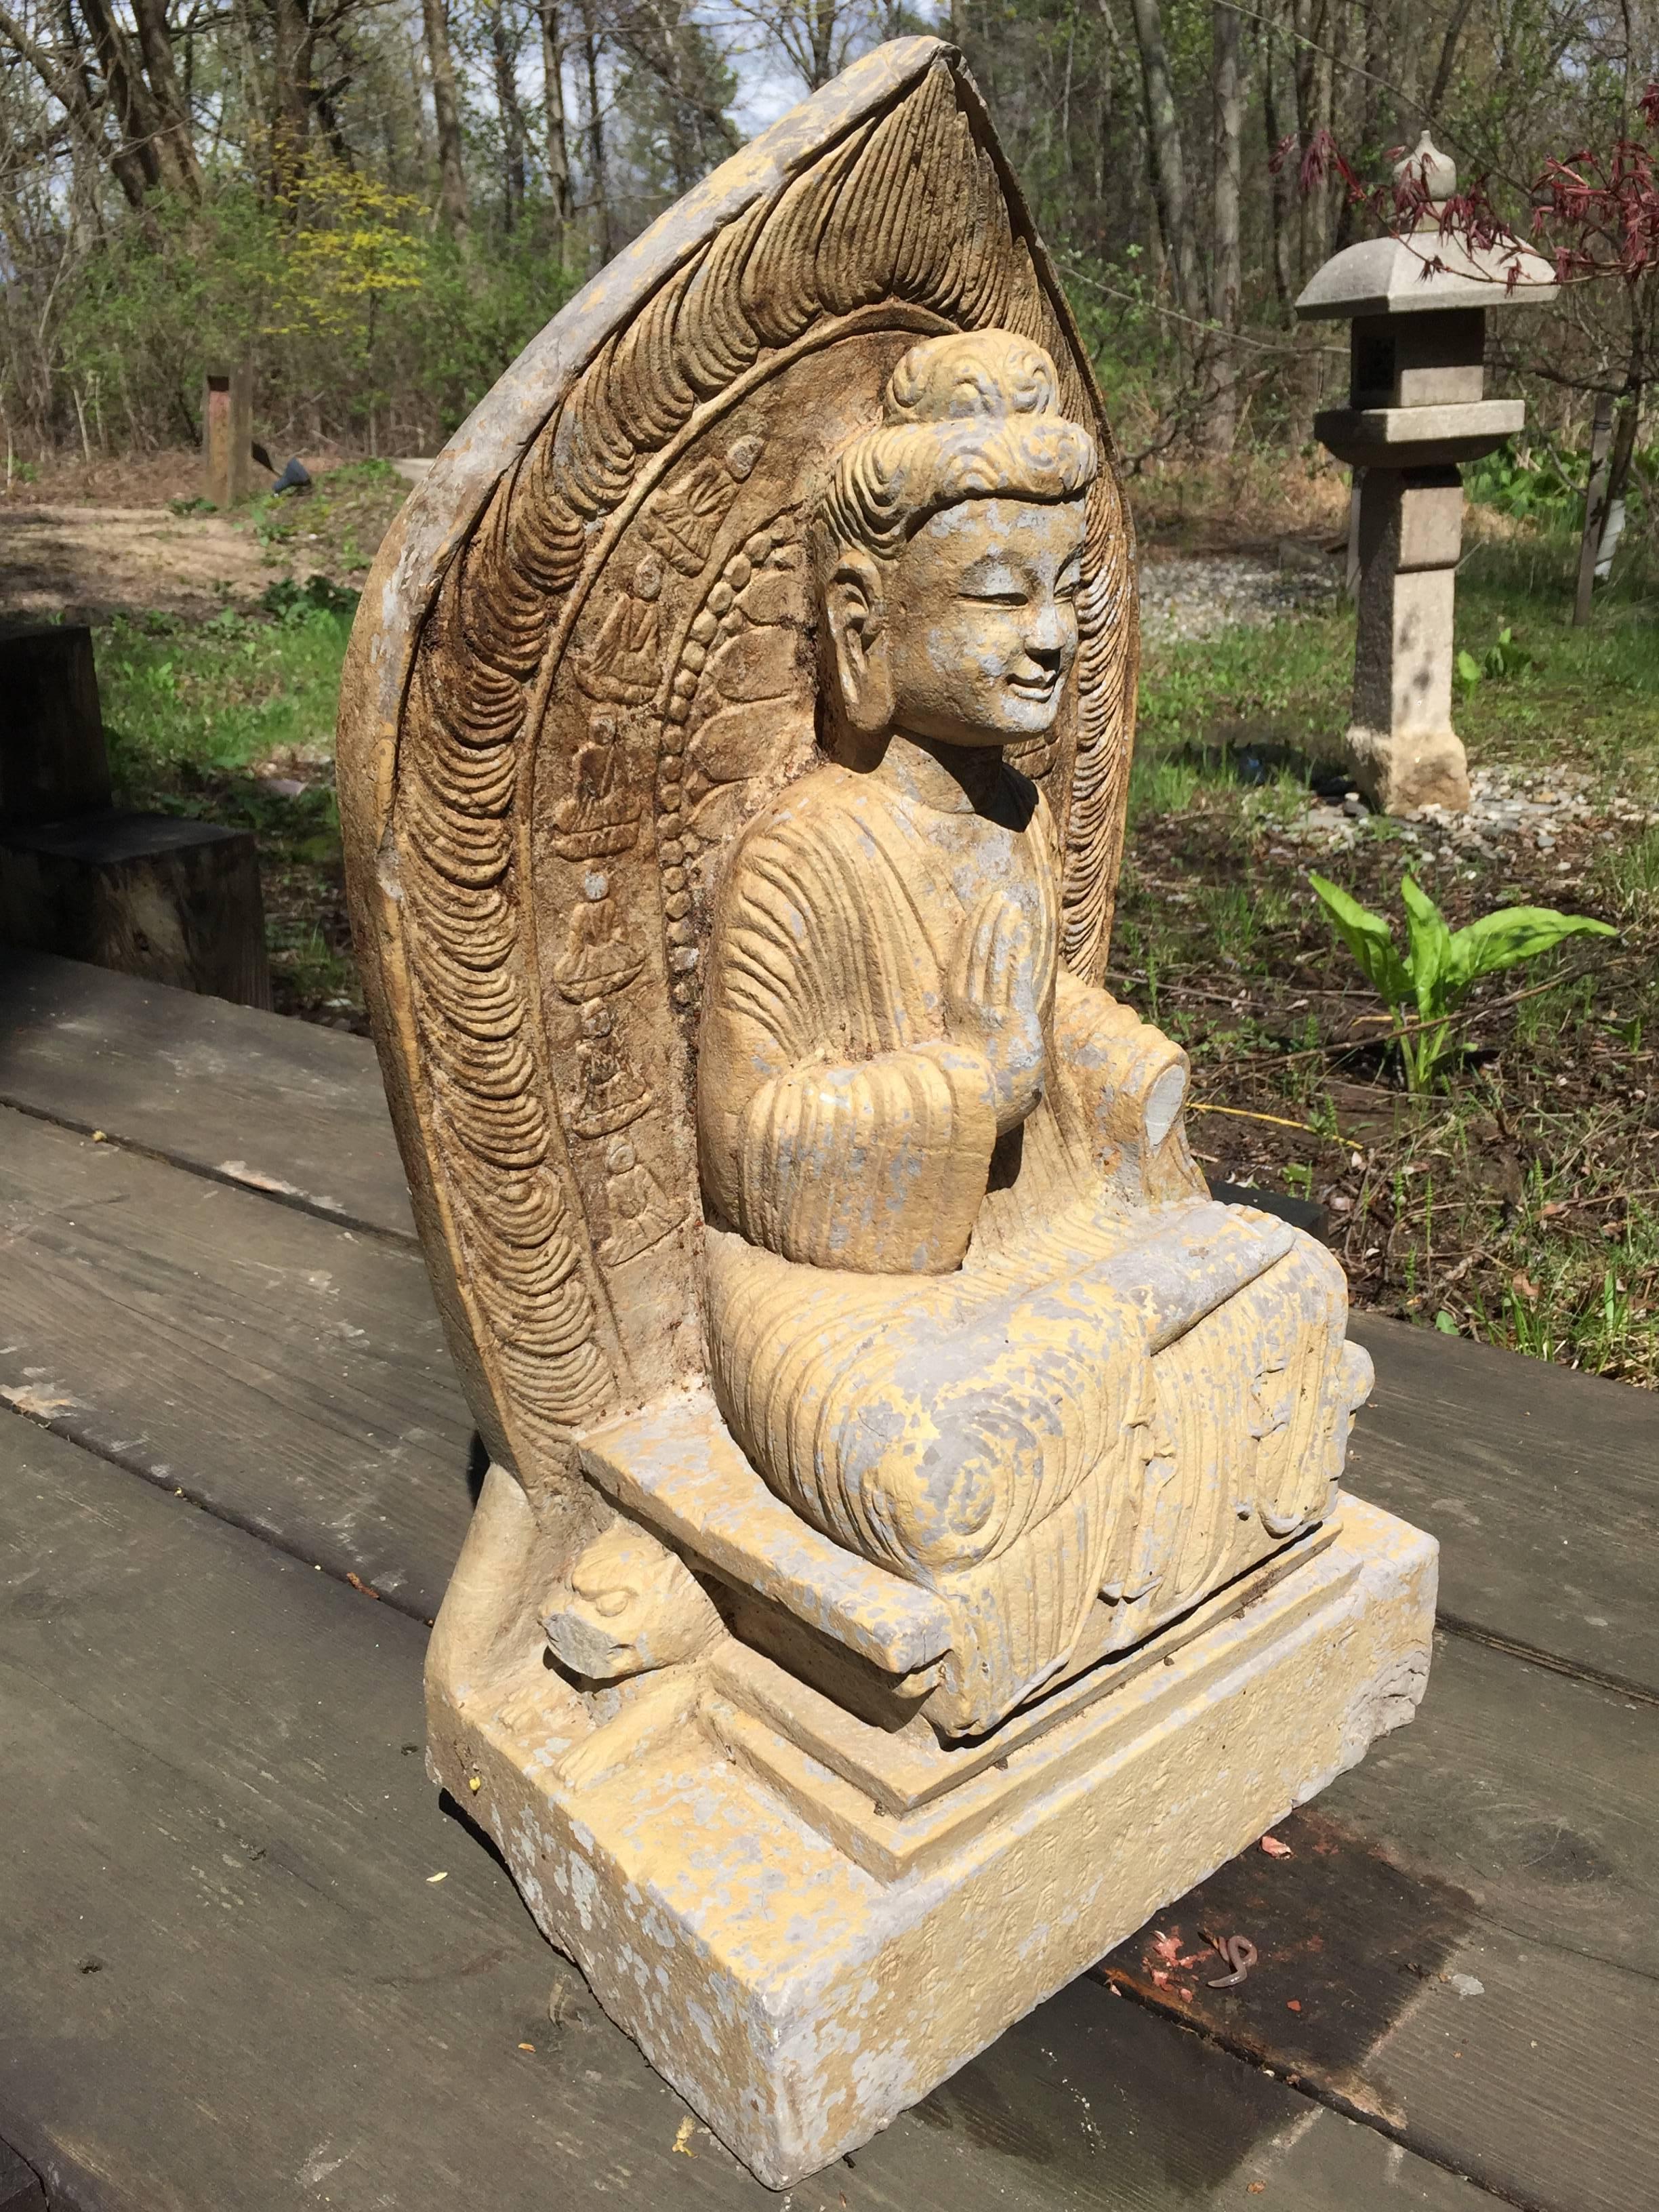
(1424, 272)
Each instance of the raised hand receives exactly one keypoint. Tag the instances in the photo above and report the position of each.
(992, 999)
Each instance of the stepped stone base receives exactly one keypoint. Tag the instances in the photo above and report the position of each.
(807, 1923)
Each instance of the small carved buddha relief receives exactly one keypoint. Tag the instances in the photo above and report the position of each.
(624, 662)
(600, 816)
(599, 956)
(613, 1091)
(641, 1211)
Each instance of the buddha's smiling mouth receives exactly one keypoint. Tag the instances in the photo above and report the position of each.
(1042, 686)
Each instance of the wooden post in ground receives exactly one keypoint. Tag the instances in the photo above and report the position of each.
(53, 761)
(227, 436)
(151, 895)
(1596, 507)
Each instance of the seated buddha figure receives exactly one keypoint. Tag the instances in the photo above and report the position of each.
(957, 1243)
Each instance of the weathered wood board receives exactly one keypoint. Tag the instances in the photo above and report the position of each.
(1541, 1485)
(289, 1374)
(153, 895)
(230, 1982)
(286, 1108)
(1460, 1947)
(1465, 1441)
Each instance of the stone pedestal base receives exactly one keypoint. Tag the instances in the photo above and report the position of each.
(806, 1923)
(1401, 749)
(1403, 772)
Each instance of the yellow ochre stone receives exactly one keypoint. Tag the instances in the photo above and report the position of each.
(913, 1550)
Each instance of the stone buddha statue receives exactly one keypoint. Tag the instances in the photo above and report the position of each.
(954, 1213)
(910, 1554)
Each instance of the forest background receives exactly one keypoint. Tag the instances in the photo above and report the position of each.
(379, 201)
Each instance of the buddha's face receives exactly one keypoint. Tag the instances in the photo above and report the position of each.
(967, 638)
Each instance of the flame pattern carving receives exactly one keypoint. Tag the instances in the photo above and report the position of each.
(905, 222)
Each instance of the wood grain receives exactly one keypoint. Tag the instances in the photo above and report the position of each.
(1459, 1948)
(153, 895)
(283, 1107)
(230, 1983)
(289, 1375)
(1541, 1485)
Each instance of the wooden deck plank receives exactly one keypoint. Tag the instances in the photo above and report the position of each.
(1542, 1485)
(1460, 1946)
(288, 1373)
(285, 1107)
(229, 1983)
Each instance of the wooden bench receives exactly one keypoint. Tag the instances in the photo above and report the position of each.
(248, 1959)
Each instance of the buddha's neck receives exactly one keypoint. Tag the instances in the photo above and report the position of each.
(951, 779)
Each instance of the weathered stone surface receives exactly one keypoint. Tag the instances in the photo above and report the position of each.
(803, 1966)
(914, 1498)
(1415, 411)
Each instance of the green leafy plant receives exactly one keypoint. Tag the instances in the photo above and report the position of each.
(1425, 988)
(1506, 658)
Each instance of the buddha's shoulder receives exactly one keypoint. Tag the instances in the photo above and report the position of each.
(805, 811)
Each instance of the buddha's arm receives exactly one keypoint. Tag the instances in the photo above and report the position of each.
(878, 1166)
(814, 1144)
(1128, 1082)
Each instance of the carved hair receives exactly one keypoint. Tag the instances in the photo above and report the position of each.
(972, 417)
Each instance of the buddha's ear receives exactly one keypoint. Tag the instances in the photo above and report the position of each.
(855, 616)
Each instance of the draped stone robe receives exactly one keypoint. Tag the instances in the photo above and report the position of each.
(1025, 1370)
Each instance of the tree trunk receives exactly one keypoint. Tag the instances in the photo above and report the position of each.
(1281, 205)
(1448, 61)
(558, 150)
(176, 146)
(71, 88)
(1226, 275)
(293, 44)
(504, 54)
(447, 113)
(598, 183)
(136, 118)
(1169, 165)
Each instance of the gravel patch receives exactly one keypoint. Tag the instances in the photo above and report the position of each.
(1511, 808)
(1195, 597)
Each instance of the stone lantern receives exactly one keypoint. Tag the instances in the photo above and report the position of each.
(1415, 411)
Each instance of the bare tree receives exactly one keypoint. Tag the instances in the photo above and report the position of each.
(447, 113)
(1226, 265)
(1174, 201)
(558, 150)
(504, 44)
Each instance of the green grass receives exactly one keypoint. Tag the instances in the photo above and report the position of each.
(192, 709)
(228, 693)
(1520, 1201)
(1589, 698)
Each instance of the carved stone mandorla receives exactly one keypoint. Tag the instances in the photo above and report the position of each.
(873, 1390)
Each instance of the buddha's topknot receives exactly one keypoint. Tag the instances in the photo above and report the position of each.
(972, 417)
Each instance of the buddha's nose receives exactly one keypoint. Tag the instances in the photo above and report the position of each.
(1045, 638)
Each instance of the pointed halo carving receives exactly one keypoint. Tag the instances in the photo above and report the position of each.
(896, 217)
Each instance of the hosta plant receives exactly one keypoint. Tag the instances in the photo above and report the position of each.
(1425, 988)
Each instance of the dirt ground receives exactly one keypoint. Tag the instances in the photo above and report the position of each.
(85, 541)
(86, 562)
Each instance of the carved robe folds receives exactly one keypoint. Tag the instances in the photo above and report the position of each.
(1022, 1371)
